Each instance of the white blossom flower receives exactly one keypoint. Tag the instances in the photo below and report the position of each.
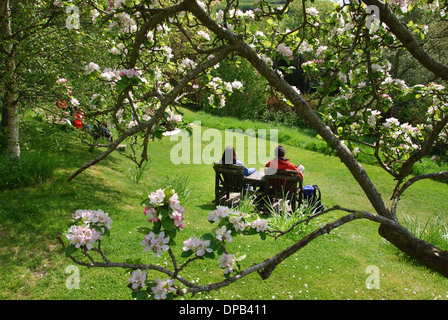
(196, 245)
(312, 11)
(227, 262)
(260, 225)
(284, 50)
(218, 214)
(177, 218)
(157, 197)
(74, 102)
(108, 74)
(321, 49)
(222, 234)
(115, 50)
(80, 236)
(237, 84)
(371, 120)
(305, 47)
(188, 63)
(203, 34)
(156, 243)
(137, 280)
(162, 288)
(130, 73)
(391, 121)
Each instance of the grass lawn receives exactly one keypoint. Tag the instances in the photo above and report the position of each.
(333, 267)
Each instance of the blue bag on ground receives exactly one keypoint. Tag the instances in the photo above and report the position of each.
(312, 197)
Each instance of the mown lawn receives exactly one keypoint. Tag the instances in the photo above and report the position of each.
(333, 267)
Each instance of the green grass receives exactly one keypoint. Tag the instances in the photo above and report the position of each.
(33, 266)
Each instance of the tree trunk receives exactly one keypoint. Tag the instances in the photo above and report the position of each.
(11, 86)
(422, 251)
(4, 123)
(13, 127)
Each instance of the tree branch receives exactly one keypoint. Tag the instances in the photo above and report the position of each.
(396, 197)
(409, 41)
(168, 99)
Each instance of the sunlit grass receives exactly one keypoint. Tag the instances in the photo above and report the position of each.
(32, 265)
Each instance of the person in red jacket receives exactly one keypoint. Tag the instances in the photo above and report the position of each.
(281, 163)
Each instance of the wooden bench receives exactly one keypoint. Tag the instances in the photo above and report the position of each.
(228, 178)
(284, 184)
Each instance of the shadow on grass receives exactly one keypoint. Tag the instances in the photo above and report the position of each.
(31, 217)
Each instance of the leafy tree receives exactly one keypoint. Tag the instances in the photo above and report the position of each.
(354, 86)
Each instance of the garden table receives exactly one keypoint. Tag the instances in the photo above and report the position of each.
(256, 180)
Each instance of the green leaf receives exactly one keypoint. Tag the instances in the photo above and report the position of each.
(140, 295)
(207, 236)
(122, 84)
(186, 254)
(69, 250)
(239, 257)
(209, 255)
(144, 230)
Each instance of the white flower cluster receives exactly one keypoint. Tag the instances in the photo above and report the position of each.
(93, 226)
(197, 246)
(237, 219)
(137, 280)
(163, 288)
(156, 243)
(227, 262)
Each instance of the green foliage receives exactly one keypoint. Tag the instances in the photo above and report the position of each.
(434, 231)
(29, 170)
(249, 103)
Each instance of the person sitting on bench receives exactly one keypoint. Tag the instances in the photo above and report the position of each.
(229, 157)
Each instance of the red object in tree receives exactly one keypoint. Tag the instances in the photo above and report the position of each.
(78, 121)
(61, 104)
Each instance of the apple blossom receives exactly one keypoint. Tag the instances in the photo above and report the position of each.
(188, 63)
(130, 73)
(92, 67)
(81, 236)
(157, 197)
(178, 218)
(222, 234)
(260, 225)
(197, 246)
(108, 74)
(227, 262)
(152, 214)
(218, 214)
(137, 280)
(284, 50)
(204, 34)
(312, 11)
(156, 243)
(162, 288)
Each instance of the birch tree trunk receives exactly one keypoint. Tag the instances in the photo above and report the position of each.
(10, 103)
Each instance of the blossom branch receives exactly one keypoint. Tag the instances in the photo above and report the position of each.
(409, 41)
(166, 100)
